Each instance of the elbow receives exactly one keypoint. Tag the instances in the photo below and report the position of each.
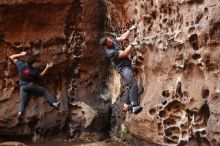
(123, 54)
(41, 75)
(123, 38)
(12, 58)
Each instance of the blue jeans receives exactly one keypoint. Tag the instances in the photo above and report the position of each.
(128, 75)
(31, 89)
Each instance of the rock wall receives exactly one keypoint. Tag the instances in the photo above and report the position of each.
(65, 33)
(177, 60)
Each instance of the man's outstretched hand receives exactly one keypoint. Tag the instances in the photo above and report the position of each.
(49, 65)
(23, 53)
(134, 43)
(132, 27)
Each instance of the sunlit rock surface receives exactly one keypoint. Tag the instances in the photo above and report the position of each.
(177, 59)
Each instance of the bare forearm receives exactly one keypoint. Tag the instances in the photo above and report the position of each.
(49, 65)
(16, 56)
(128, 50)
(125, 35)
(125, 53)
(43, 72)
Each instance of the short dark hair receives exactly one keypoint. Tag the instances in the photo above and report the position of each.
(31, 60)
(103, 41)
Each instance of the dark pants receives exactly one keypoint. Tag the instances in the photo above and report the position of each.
(128, 75)
(31, 89)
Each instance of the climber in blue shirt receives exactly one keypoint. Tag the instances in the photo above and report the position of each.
(28, 73)
(122, 64)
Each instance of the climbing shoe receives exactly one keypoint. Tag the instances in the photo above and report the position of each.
(56, 104)
(136, 109)
(128, 108)
(20, 116)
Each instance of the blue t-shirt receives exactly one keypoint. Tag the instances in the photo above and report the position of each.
(26, 73)
(113, 54)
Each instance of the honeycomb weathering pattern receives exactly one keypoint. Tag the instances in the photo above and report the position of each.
(180, 125)
(62, 32)
(177, 56)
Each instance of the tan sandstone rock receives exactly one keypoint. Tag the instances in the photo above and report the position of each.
(179, 64)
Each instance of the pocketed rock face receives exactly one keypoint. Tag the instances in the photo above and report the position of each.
(65, 33)
(178, 124)
(177, 59)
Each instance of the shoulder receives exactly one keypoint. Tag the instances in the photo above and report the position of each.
(35, 70)
(18, 62)
(109, 50)
(20, 65)
(114, 39)
(112, 53)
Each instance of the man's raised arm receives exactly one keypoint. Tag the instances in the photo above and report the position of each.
(49, 65)
(15, 56)
(126, 34)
